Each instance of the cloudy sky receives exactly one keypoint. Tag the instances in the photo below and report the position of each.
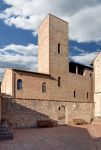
(19, 20)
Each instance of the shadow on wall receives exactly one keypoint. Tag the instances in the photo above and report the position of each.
(20, 115)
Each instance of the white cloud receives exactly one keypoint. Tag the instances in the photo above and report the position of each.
(85, 26)
(84, 16)
(85, 58)
(35, 33)
(78, 49)
(29, 50)
(18, 56)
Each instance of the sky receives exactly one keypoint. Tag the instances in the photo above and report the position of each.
(19, 20)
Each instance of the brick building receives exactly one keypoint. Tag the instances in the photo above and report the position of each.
(61, 90)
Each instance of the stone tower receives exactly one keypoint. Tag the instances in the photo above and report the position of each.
(97, 84)
(52, 42)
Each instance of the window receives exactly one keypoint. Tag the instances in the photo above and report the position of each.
(90, 75)
(59, 48)
(19, 84)
(59, 81)
(74, 93)
(87, 95)
(43, 87)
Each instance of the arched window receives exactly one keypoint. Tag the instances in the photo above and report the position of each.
(59, 48)
(59, 81)
(74, 93)
(43, 87)
(19, 84)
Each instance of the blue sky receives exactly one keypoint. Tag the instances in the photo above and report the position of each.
(19, 20)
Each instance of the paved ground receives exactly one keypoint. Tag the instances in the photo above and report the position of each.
(59, 138)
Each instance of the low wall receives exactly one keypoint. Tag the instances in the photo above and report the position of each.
(26, 112)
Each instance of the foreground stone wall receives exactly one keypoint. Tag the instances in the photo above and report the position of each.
(26, 113)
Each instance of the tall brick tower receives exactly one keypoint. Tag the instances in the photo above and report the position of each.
(52, 42)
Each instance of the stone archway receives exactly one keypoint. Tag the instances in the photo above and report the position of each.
(61, 114)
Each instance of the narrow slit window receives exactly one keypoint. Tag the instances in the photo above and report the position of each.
(87, 95)
(90, 75)
(59, 48)
(59, 81)
(74, 93)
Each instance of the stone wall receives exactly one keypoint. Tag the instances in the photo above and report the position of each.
(26, 112)
(97, 85)
(7, 86)
(43, 46)
(32, 87)
(97, 74)
(81, 85)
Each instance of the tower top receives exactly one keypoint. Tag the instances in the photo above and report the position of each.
(52, 46)
(51, 15)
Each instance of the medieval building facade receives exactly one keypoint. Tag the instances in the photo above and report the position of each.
(61, 90)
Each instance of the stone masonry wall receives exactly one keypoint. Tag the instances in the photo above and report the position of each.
(32, 87)
(6, 86)
(26, 112)
(97, 84)
(43, 47)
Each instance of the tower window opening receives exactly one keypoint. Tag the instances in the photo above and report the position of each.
(90, 75)
(59, 48)
(59, 81)
(74, 93)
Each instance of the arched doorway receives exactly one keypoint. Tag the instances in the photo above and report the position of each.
(61, 114)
